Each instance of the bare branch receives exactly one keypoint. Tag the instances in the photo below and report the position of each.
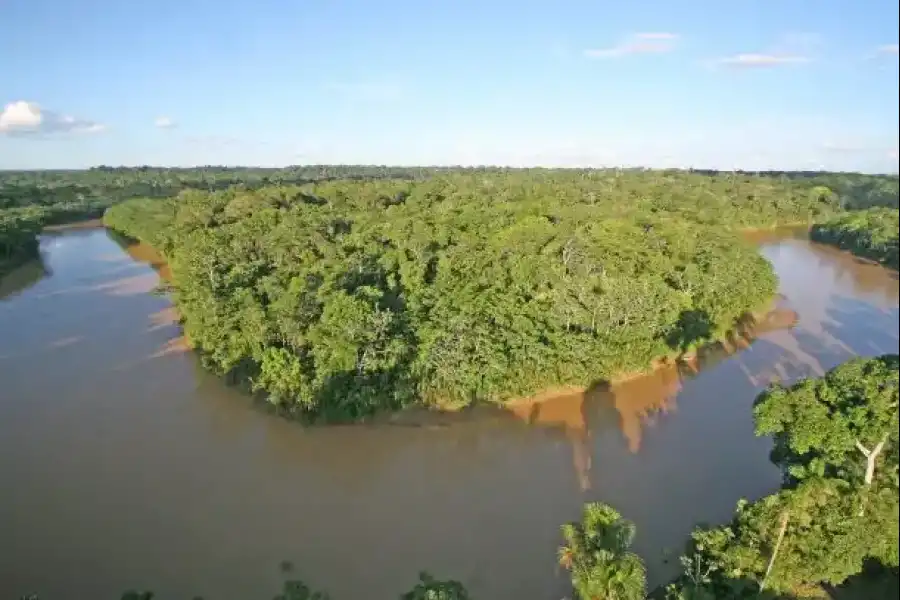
(866, 452)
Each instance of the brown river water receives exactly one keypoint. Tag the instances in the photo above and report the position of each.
(123, 464)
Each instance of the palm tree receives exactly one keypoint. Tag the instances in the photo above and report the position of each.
(597, 556)
(430, 588)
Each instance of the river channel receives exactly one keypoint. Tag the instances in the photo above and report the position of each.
(123, 464)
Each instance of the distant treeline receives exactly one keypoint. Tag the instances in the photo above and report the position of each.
(30, 200)
(80, 193)
(38, 198)
(68, 195)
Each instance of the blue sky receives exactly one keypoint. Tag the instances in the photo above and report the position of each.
(754, 84)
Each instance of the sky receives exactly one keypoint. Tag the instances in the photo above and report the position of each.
(746, 84)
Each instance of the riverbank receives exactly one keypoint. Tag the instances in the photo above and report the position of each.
(753, 325)
(748, 326)
(343, 299)
(91, 222)
(337, 308)
(872, 234)
(444, 413)
(18, 237)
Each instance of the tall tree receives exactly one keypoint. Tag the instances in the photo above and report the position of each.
(429, 588)
(597, 556)
(838, 425)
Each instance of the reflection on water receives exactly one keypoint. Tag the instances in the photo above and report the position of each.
(565, 412)
(22, 277)
(167, 317)
(641, 401)
(123, 464)
(176, 345)
(143, 253)
(119, 286)
(774, 236)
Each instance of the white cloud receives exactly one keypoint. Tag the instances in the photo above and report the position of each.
(638, 43)
(793, 48)
(24, 118)
(889, 49)
(753, 60)
(164, 122)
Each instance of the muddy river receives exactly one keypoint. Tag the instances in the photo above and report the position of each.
(123, 464)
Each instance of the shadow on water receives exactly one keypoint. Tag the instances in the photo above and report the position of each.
(861, 327)
(857, 276)
(784, 345)
(23, 277)
(632, 405)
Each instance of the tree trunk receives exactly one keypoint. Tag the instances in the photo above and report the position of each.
(871, 457)
(870, 468)
(784, 524)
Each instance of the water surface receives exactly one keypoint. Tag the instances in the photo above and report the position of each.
(123, 465)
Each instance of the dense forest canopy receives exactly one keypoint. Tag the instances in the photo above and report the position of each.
(368, 287)
(872, 233)
(341, 298)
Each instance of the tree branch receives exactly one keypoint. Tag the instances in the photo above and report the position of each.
(866, 452)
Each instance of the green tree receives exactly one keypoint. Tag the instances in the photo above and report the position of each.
(598, 558)
(871, 233)
(344, 298)
(838, 425)
(294, 589)
(829, 433)
(429, 588)
(788, 540)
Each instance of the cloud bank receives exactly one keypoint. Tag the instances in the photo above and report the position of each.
(752, 60)
(638, 43)
(23, 118)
